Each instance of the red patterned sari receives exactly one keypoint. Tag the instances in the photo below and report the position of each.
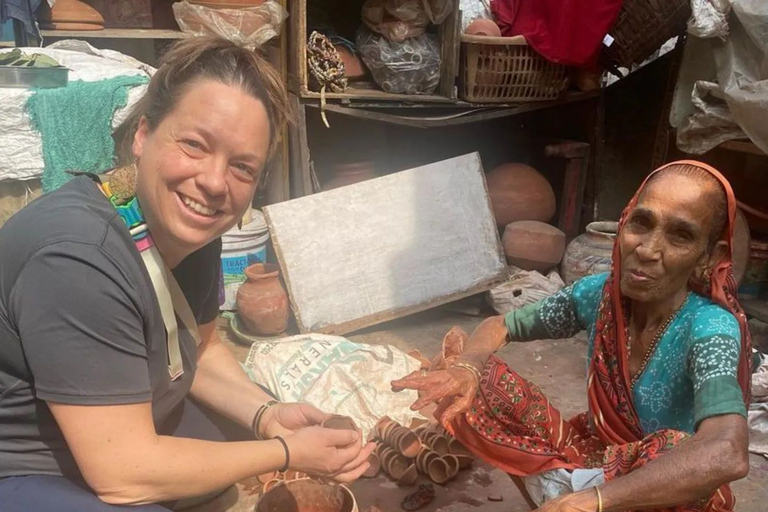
(513, 426)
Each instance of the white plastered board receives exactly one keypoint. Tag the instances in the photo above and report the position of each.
(373, 251)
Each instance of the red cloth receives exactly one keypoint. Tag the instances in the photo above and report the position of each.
(563, 31)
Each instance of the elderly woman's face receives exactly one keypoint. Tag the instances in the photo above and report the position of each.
(665, 238)
(198, 170)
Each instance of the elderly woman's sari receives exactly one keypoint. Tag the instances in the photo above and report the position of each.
(513, 426)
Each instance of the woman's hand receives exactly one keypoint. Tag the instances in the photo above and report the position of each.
(285, 419)
(584, 501)
(457, 383)
(329, 453)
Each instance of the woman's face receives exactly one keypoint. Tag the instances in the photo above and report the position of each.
(199, 168)
(665, 239)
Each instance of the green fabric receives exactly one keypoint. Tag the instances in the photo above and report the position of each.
(75, 125)
(692, 373)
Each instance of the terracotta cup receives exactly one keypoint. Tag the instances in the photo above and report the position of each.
(339, 422)
(409, 477)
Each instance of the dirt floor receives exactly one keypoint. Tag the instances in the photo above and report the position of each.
(557, 366)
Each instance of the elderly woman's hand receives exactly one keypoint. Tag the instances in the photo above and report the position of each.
(584, 501)
(329, 453)
(458, 384)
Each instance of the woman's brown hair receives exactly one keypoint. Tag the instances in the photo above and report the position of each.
(206, 58)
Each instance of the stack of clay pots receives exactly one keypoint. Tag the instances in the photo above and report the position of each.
(523, 203)
(427, 449)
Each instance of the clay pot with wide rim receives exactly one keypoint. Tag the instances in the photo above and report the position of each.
(591, 252)
(533, 245)
(483, 27)
(262, 301)
(307, 496)
(520, 192)
(69, 15)
(350, 173)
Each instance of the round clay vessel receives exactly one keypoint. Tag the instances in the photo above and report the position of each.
(69, 15)
(307, 496)
(533, 245)
(456, 448)
(262, 301)
(483, 27)
(409, 477)
(350, 173)
(520, 192)
(590, 252)
(354, 69)
(439, 444)
(408, 444)
(374, 468)
(339, 422)
(439, 471)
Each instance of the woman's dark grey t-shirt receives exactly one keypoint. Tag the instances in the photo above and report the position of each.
(80, 324)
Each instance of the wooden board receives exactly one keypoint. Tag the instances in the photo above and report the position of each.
(388, 247)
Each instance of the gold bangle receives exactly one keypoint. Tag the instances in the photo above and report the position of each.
(599, 500)
(474, 371)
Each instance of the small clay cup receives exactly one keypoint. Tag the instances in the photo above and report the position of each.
(374, 468)
(453, 464)
(339, 422)
(456, 448)
(439, 471)
(439, 444)
(409, 477)
(464, 461)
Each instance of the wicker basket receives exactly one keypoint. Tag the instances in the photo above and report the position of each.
(506, 69)
(642, 27)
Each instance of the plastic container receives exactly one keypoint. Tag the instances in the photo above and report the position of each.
(240, 249)
(505, 70)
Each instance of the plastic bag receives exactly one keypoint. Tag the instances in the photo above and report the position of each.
(709, 18)
(397, 20)
(437, 10)
(409, 67)
(336, 376)
(522, 288)
(249, 26)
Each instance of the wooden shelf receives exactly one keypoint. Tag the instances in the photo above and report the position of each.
(116, 33)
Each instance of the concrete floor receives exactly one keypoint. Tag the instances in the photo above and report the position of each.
(557, 366)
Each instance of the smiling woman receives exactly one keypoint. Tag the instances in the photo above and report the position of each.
(114, 387)
(668, 375)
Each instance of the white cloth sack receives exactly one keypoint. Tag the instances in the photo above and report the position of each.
(336, 376)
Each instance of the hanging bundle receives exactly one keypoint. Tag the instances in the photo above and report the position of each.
(325, 67)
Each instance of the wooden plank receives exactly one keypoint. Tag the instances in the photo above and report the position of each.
(296, 45)
(449, 52)
(299, 170)
(470, 114)
(116, 33)
(387, 247)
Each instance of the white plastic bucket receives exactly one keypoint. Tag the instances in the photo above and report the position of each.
(241, 248)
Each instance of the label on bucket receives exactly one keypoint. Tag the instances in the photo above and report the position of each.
(233, 275)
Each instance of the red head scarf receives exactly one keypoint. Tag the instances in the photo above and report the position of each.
(610, 391)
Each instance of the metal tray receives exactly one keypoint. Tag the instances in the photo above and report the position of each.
(32, 77)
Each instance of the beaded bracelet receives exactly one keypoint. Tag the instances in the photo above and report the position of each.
(256, 423)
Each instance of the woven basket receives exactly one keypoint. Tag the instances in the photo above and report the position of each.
(642, 27)
(506, 69)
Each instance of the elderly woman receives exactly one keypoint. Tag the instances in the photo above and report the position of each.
(114, 387)
(668, 373)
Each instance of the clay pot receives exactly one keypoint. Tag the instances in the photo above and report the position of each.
(456, 448)
(374, 468)
(533, 245)
(262, 301)
(483, 27)
(590, 252)
(520, 192)
(307, 496)
(464, 461)
(409, 477)
(69, 15)
(405, 442)
(439, 471)
(347, 174)
(354, 69)
(439, 444)
(339, 422)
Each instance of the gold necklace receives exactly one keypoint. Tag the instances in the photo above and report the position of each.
(655, 341)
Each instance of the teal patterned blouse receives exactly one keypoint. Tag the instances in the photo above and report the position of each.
(692, 373)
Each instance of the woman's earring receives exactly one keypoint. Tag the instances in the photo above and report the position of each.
(123, 181)
(707, 277)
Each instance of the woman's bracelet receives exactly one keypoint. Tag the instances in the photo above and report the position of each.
(599, 500)
(474, 371)
(287, 454)
(256, 423)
